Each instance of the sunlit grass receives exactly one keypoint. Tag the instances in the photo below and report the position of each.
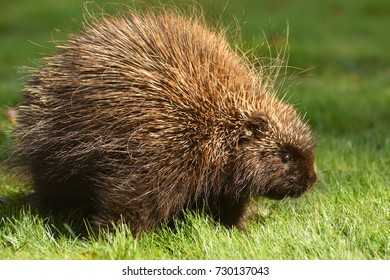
(345, 92)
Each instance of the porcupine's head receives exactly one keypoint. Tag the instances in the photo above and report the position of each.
(276, 152)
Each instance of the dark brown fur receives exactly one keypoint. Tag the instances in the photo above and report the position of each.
(140, 117)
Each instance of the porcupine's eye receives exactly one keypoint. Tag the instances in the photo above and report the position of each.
(285, 157)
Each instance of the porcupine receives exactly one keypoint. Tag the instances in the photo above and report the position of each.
(143, 115)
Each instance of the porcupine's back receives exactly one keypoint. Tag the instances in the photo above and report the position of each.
(138, 117)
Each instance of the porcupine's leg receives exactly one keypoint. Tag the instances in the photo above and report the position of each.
(141, 211)
(228, 211)
(61, 192)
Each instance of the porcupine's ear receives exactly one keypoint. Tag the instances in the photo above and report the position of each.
(254, 127)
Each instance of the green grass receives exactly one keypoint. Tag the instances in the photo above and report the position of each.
(345, 91)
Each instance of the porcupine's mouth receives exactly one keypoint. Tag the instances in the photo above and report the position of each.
(277, 195)
(281, 193)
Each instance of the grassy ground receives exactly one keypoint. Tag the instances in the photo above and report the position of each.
(345, 91)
